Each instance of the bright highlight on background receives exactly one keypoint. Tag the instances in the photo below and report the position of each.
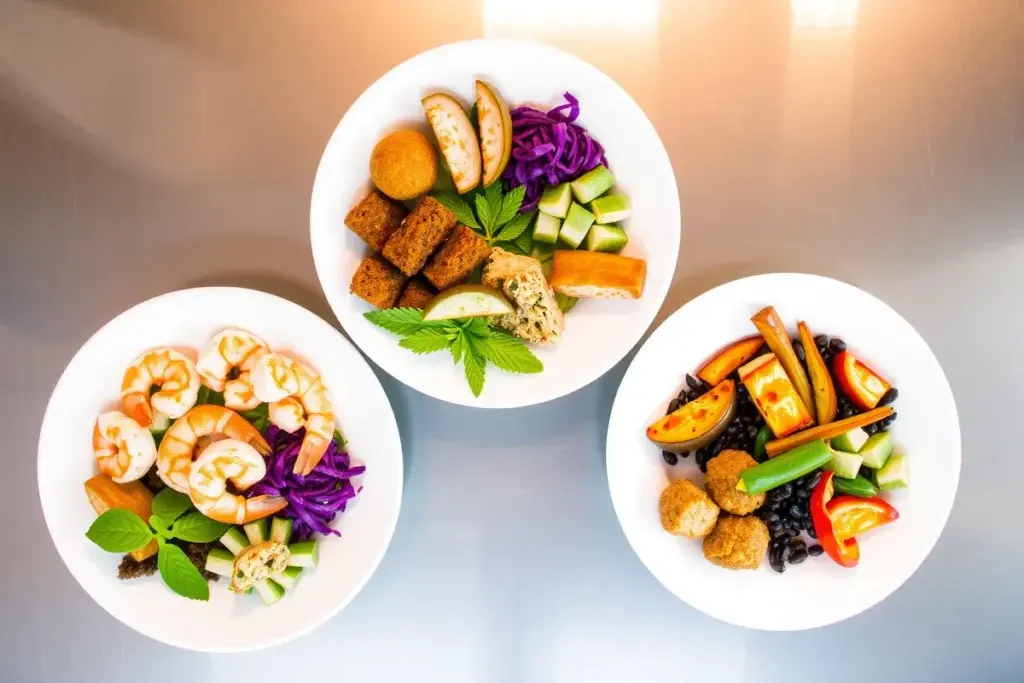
(570, 18)
(824, 13)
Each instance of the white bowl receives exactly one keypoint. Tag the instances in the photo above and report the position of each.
(598, 333)
(817, 592)
(227, 623)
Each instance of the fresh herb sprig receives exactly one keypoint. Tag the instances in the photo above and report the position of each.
(495, 215)
(123, 531)
(471, 341)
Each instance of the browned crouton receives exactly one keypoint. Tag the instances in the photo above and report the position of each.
(416, 294)
(420, 234)
(462, 252)
(377, 283)
(375, 218)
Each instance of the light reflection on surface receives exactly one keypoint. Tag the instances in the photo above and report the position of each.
(824, 13)
(568, 18)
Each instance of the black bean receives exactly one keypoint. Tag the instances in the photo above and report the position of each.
(776, 563)
(701, 458)
(812, 533)
(821, 340)
(669, 457)
(802, 492)
(798, 556)
(682, 395)
(815, 550)
(785, 491)
(889, 396)
(798, 544)
(846, 412)
(778, 532)
(795, 512)
(815, 477)
(691, 395)
(752, 431)
(674, 405)
(773, 518)
(787, 550)
(693, 382)
(837, 345)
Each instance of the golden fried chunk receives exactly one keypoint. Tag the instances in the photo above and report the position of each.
(737, 542)
(686, 510)
(377, 283)
(723, 475)
(420, 234)
(417, 294)
(375, 219)
(461, 253)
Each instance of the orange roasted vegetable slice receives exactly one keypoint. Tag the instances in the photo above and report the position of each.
(105, 494)
(730, 358)
(697, 423)
(774, 395)
(828, 431)
(826, 402)
(769, 324)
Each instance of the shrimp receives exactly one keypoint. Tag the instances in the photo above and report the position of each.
(297, 398)
(225, 362)
(242, 465)
(124, 449)
(173, 373)
(174, 459)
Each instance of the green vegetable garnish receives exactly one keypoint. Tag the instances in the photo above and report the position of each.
(496, 216)
(123, 531)
(471, 341)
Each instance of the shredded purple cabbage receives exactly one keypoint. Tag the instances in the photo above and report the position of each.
(315, 499)
(549, 148)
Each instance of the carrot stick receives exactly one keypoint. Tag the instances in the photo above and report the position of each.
(827, 431)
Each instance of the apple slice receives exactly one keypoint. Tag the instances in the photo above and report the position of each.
(456, 138)
(495, 124)
(729, 358)
(467, 301)
(826, 403)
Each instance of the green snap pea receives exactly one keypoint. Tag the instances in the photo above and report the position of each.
(764, 435)
(859, 486)
(785, 467)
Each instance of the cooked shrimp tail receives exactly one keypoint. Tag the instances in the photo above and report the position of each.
(172, 374)
(124, 450)
(240, 464)
(225, 363)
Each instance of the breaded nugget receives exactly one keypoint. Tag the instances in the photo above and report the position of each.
(375, 218)
(377, 283)
(416, 294)
(461, 253)
(723, 475)
(686, 510)
(403, 165)
(737, 542)
(420, 234)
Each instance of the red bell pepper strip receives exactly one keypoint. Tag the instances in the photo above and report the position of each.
(862, 385)
(852, 516)
(846, 553)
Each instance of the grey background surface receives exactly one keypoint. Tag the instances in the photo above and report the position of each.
(150, 146)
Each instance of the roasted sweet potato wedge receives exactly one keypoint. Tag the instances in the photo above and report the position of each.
(729, 359)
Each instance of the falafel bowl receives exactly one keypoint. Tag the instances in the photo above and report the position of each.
(495, 223)
(761, 446)
(241, 467)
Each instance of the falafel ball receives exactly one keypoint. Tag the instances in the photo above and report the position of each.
(737, 542)
(686, 510)
(723, 475)
(404, 165)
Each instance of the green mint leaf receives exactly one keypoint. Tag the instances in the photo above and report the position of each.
(339, 439)
(485, 214)
(169, 504)
(258, 417)
(198, 528)
(119, 531)
(426, 341)
(515, 228)
(400, 321)
(208, 396)
(458, 347)
(510, 205)
(180, 575)
(478, 327)
(492, 193)
(508, 353)
(565, 303)
(460, 207)
(473, 363)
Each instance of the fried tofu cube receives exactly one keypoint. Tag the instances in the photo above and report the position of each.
(419, 235)
(457, 258)
(686, 510)
(377, 282)
(375, 218)
(417, 294)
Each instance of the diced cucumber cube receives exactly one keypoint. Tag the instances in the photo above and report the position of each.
(877, 449)
(287, 579)
(575, 226)
(608, 238)
(269, 591)
(258, 531)
(220, 562)
(281, 530)
(545, 229)
(895, 474)
(611, 208)
(845, 465)
(234, 540)
(161, 423)
(850, 442)
(303, 554)
(555, 200)
(592, 184)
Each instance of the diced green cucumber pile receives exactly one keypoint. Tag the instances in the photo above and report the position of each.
(856, 448)
(583, 213)
(301, 555)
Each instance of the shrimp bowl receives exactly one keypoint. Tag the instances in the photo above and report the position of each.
(220, 469)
